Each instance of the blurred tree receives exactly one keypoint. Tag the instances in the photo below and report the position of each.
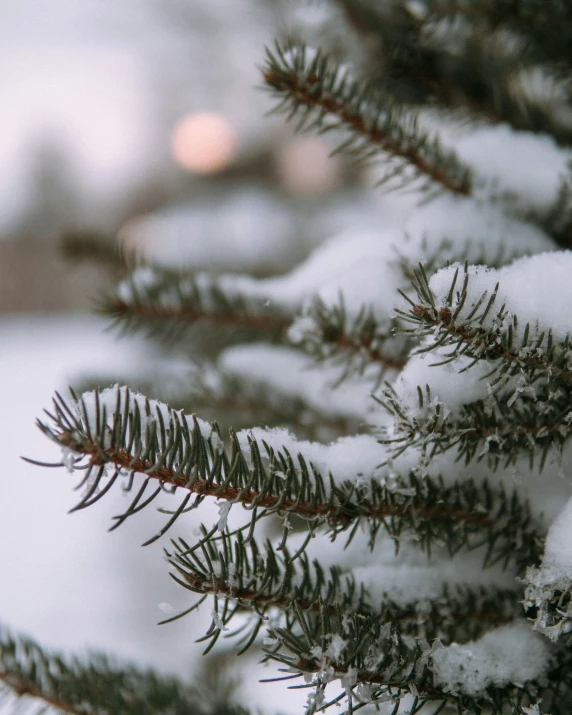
(54, 199)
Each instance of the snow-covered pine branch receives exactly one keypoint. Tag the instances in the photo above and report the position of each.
(168, 303)
(464, 63)
(38, 680)
(239, 390)
(246, 577)
(338, 305)
(116, 434)
(508, 331)
(376, 664)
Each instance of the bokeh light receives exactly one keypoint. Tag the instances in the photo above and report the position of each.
(204, 143)
(305, 167)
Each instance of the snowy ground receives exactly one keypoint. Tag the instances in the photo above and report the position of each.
(65, 580)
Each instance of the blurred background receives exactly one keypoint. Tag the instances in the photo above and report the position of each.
(133, 127)
(142, 120)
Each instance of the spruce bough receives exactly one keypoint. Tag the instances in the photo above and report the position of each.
(422, 564)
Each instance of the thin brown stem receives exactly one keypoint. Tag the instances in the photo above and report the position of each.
(187, 314)
(264, 600)
(333, 513)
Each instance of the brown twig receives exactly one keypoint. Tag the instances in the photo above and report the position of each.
(262, 600)
(333, 513)
(258, 323)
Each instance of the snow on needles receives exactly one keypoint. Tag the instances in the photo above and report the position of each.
(291, 373)
(557, 562)
(364, 266)
(548, 584)
(459, 228)
(449, 387)
(129, 400)
(526, 168)
(510, 654)
(355, 266)
(347, 458)
(537, 289)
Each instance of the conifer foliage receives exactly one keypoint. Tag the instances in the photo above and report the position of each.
(422, 564)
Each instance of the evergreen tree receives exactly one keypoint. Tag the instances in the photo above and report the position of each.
(422, 563)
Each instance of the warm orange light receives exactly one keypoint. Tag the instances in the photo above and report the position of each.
(204, 143)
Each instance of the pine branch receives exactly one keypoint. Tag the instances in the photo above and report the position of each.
(128, 433)
(323, 623)
(493, 430)
(315, 87)
(545, 26)
(163, 302)
(416, 71)
(92, 685)
(375, 662)
(482, 76)
(528, 408)
(80, 246)
(244, 577)
(367, 345)
(266, 583)
(328, 334)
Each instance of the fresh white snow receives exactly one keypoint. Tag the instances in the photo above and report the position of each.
(509, 654)
(537, 289)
